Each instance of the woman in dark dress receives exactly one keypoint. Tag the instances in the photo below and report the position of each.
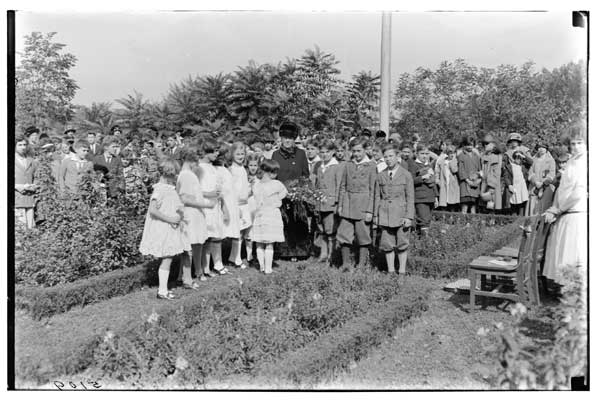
(293, 166)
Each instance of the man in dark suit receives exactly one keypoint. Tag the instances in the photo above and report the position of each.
(173, 149)
(109, 163)
(96, 148)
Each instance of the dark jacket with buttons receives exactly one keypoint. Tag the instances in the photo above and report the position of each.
(357, 189)
(394, 198)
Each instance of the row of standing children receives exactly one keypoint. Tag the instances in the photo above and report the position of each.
(210, 198)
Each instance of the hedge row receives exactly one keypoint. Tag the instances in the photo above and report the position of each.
(457, 217)
(457, 266)
(221, 330)
(336, 349)
(41, 302)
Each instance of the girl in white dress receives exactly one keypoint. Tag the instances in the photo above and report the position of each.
(520, 192)
(566, 248)
(164, 233)
(252, 168)
(211, 188)
(242, 193)
(267, 227)
(189, 190)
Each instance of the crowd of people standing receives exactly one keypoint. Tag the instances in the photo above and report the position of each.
(366, 185)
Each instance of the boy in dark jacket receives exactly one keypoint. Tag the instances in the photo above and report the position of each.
(394, 209)
(426, 191)
(355, 203)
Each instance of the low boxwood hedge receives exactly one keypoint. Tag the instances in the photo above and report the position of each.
(215, 333)
(336, 349)
(456, 265)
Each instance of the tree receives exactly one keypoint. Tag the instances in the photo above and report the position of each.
(44, 90)
(136, 112)
(98, 117)
(363, 96)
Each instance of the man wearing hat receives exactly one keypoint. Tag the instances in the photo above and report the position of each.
(540, 176)
(293, 165)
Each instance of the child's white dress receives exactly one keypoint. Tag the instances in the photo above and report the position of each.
(209, 182)
(521, 193)
(231, 229)
(161, 239)
(267, 226)
(188, 184)
(241, 187)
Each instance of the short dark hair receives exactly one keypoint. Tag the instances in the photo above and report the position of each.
(189, 154)
(269, 166)
(406, 144)
(209, 145)
(422, 146)
(81, 144)
(389, 146)
(21, 138)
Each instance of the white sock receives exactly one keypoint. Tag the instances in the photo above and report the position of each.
(206, 258)
(260, 255)
(163, 278)
(269, 258)
(215, 252)
(185, 268)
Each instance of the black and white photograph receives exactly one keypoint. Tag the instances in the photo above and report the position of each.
(322, 200)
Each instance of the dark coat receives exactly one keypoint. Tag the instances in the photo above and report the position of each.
(292, 165)
(112, 173)
(395, 198)
(468, 166)
(425, 190)
(357, 190)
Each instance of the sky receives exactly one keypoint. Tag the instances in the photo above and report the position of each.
(147, 51)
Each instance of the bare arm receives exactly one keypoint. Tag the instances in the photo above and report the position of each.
(154, 212)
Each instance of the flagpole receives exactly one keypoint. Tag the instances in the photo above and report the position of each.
(386, 62)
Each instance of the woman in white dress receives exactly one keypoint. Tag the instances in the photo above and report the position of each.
(566, 248)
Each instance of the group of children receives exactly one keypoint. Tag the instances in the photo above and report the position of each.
(217, 193)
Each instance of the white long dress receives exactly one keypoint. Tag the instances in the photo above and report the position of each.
(231, 229)
(241, 186)
(567, 241)
(214, 217)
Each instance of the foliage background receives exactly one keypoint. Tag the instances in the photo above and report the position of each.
(455, 99)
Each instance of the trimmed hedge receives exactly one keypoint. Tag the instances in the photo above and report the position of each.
(225, 330)
(42, 302)
(336, 349)
(457, 217)
(457, 265)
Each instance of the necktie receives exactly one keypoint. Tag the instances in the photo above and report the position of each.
(108, 159)
(391, 174)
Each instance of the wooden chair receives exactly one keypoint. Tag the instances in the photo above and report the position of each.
(521, 273)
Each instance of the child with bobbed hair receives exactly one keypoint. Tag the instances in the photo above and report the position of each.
(164, 234)
(267, 227)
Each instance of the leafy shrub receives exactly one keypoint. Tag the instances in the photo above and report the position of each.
(41, 302)
(231, 332)
(546, 364)
(80, 236)
(436, 264)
